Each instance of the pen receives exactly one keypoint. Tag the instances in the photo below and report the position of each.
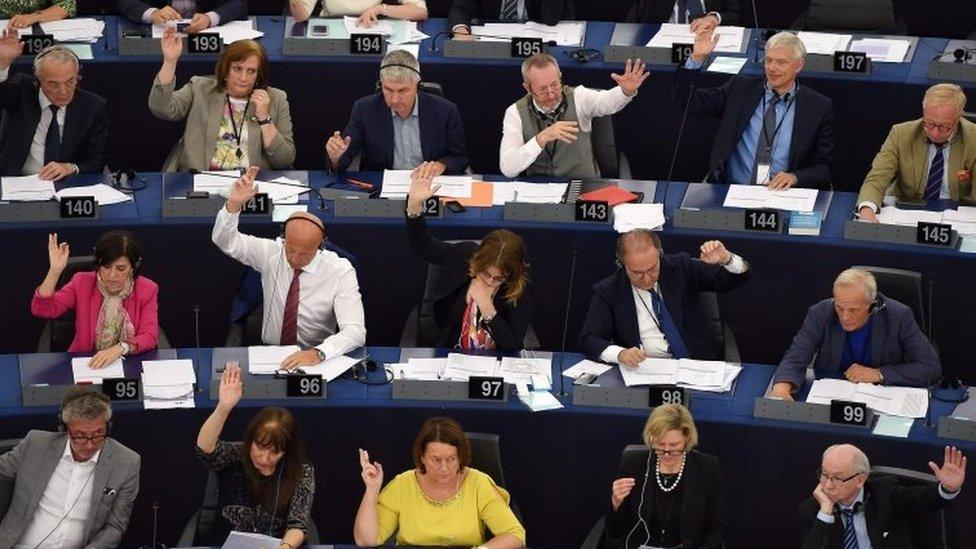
(360, 184)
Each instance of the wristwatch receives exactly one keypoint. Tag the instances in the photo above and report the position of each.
(267, 120)
(125, 348)
(321, 354)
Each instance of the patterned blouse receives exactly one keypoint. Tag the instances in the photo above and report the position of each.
(246, 516)
(228, 154)
(10, 8)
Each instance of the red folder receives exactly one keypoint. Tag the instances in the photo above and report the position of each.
(612, 195)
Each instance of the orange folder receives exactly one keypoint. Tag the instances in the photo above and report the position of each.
(481, 196)
(612, 195)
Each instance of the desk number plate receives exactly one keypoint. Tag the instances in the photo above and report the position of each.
(35, 43)
(763, 220)
(203, 42)
(526, 47)
(259, 205)
(366, 44)
(666, 394)
(121, 388)
(592, 210)
(845, 412)
(851, 61)
(78, 207)
(938, 234)
(486, 388)
(304, 386)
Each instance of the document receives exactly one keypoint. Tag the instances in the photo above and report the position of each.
(522, 191)
(651, 371)
(396, 185)
(28, 188)
(882, 50)
(730, 38)
(760, 196)
(627, 217)
(727, 65)
(247, 540)
(422, 369)
(167, 384)
(964, 214)
(461, 367)
(331, 368)
(266, 359)
(406, 35)
(586, 367)
(824, 43)
(382, 26)
(518, 369)
(892, 215)
(83, 29)
(83, 373)
(229, 32)
(564, 33)
(896, 401)
(103, 194)
(700, 373)
(538, 401)
(281, 190)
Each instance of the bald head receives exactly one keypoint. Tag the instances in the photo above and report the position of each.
(848, 455)
(843, 471)
(304, 232)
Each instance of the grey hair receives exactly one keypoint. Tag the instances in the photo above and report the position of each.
(945, 94)
(83, 403)
(398, 74)
(55, 54)
(858, 277)
(537, 61)
(787, 40)
(861, 463)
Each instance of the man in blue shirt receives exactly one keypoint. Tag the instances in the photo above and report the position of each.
(861, 335)
(771, 132)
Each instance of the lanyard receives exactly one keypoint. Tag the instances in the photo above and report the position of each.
(238, 134)
(767, 139)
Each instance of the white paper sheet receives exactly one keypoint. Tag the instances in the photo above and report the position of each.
(652, 371)
(895, 401)
(396, 185)
(460, 367)
(893, 215)
(168, 372)
(382, 26)
(331, 368)
(824, 43)
(425, 369)
(727, 65)
(564, 33)
(586, 367)
(627, 217)
(103, 194)
(729, 37)
(80, 29)
(759, 196)
(28, 188)
(522, 191)
(229, 32)
(539, 401)
(515, 369)
(246, 540)
(703, 373)
(83, 373)
(265, 359)
(882, 50)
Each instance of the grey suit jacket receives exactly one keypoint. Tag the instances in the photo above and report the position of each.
(898, 346)
(202, 106)
(30, 466)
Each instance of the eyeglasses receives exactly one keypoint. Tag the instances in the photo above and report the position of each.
(823, 477)
(552, 87)
(498, 279)
(440, 463)
(669, 451)
(94, 439)
(945, 128)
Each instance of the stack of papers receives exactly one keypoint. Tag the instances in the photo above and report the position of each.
(627, 217)
(266, 359)
(167, 384)
(537, 371)
(882, 50)
(564, 33)
(962, 220)
(103, 194)
(533, 193)
(759, 196)
(71, 30)
(422, 369)
(86, 374)
(28, 188)
(229, 32)
(281, 190)
(410, 34)
(247, 540)
(823, 43)
(331, 368)
(382, 26)
(730, 38)
(891, 215)
(396, 185)
(893, 401)
(702, 375)
(586, 367)
(461, 367)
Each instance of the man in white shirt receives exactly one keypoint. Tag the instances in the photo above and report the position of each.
(547, 132)
(74, 488)
(311, 296)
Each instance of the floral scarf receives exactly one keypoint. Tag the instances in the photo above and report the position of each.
(114, 325)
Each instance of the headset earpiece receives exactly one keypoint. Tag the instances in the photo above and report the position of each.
(311, 218)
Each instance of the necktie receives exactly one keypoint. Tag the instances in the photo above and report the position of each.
(187, 8)
(933, 188)
(52, 143)
(289, 320)
(668, 328)
(509, 10)
(850, 537)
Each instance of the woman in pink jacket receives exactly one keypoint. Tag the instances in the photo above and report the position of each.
(115, 308)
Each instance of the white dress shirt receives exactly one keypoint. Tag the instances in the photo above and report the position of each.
(330, 309)
(516, 154)
(69, 495)
(35, 158)
(652, 339)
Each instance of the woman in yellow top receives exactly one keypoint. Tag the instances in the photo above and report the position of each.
(441, 502)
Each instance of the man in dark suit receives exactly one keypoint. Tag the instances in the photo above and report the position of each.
(53, 129)
(701, 14)
(861, 334)
(650, 308)
(849, 509)
(73, 488)
(202, 14)
(401, 128)
(548, 12)
(773, 132)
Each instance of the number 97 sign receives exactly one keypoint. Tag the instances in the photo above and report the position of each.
(486, 388)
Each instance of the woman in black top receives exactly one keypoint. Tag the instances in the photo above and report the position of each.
(266, 484)
(679, 498)
(481, 300)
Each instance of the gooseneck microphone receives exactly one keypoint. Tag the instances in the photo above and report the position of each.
(569, 301)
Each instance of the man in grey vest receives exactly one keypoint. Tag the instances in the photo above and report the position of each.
(547, 132)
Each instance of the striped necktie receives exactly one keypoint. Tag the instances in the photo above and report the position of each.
(509, 10)
(850, 536)
(933, 188)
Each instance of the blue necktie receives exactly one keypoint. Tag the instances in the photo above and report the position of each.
(850, 536)
(668, 328)
(933, 188)
(52, 143)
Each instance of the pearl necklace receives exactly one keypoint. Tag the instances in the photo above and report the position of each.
(660, 481)
(445, 501)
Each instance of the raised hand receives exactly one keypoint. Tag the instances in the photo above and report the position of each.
(171, 44)
(953, 471)
(336, 146)
(421, 187)
(708, 22)
(620, 489)
(713, 252)
(231, 387)
(57, 254)
(705, 42)
(10, 47)
(372, 472)
(634, 75)
(242, 190)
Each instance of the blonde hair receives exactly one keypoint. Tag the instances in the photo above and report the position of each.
(669, 417)
(945, 94)
(858, 277)
(787, 40)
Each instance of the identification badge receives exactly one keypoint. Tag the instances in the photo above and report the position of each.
(762, 173)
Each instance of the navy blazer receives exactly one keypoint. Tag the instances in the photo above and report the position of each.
(84, 138)
(735, 101)
(612, 318)
(228, 10)
(898, 346)
(659, 11)
(887, 505)
(371, 131)
(702, 510)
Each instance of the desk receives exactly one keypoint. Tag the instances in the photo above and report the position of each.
(764, 314)
(558, 464)
(483, 89)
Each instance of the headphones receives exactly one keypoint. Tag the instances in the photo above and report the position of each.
(76, 393)
(950, 389)
(618, 262)
(401, 65)
(311, 218)
(51, 49)
(125, 179)
(360, 372)
(99, 252)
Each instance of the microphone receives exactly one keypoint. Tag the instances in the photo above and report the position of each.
(196, 324)
(569, 301)
(677, 141)
(433, 41)
(155, 524)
